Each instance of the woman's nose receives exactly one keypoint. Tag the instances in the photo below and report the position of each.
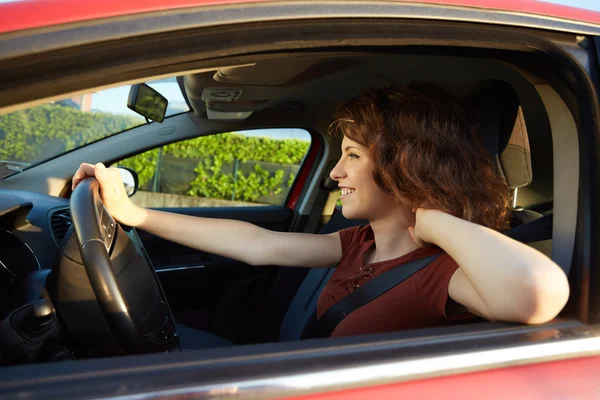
(337, 173)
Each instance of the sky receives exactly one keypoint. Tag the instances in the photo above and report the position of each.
(586, 4)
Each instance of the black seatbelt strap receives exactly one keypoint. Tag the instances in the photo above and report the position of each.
(536, 230)
(369, 292)
(533, 231)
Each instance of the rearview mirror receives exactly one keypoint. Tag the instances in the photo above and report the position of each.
(147, 102)
(130, 180)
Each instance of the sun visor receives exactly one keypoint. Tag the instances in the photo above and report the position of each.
(225, 102)
(267, 73)
(235, 92)
(221, 104)
(226, 115)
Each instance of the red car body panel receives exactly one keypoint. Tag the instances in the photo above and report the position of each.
(575, 378)
(559, 379)
(20, 15)
(303, 176)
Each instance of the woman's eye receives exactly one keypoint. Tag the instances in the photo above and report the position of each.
(353, 156)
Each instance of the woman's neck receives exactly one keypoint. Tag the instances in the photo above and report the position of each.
(392, 239)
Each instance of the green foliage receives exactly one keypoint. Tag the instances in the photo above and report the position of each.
(144, 164)
(42, 132)
(229, 165)
(291, 179)
(230, 146)
(245, 187)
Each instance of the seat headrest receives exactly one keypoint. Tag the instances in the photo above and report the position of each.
(501, 128)
(516, 156)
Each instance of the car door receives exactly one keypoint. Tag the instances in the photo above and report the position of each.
(247, 176)
(459, 362)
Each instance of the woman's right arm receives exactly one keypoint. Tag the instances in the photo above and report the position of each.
(238, 240)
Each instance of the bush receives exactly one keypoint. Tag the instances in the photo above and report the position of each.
(42, 132)
(227, 166)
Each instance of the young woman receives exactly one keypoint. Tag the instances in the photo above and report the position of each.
(413, 166)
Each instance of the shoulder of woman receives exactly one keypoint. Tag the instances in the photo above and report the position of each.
(432, 283)
(353, 235)
(436, 276)
(443, 263)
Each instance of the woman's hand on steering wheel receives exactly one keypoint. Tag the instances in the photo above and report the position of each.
(112, 191)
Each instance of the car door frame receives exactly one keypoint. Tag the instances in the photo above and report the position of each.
(300, 368)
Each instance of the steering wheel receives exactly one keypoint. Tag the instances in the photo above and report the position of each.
(121, 276)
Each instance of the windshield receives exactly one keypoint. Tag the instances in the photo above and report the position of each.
(39, 133)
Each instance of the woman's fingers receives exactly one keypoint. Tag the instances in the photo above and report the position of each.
(85, 170)
(103, 177)
(109, 179)
(106, 176)
(112, 191)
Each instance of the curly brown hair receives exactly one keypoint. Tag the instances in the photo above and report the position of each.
(427, 151)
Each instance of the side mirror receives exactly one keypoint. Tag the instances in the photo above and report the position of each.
(130, 179)
(147, 102)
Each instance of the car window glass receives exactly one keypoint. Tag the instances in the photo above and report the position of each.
(39, 133)
(244, 168)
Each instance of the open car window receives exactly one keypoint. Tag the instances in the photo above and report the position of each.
(37, 134)
(233, 169)
(293, 70)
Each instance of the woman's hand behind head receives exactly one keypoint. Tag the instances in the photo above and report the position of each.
(424, 229)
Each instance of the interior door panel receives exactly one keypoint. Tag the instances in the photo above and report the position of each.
(202, 287)
(168, 255)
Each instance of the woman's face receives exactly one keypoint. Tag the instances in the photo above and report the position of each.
(361, 197)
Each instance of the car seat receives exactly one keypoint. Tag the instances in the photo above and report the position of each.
(504, 134)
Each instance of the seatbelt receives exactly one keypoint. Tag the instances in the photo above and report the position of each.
(364, 295)
(332, 199)
(539, 229)
(533, 231)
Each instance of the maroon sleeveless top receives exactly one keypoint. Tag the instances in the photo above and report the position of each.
(418, 302)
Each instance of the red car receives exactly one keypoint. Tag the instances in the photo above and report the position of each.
(248, 89)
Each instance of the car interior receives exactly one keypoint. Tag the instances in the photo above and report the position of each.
(525, 122)
(503, 129)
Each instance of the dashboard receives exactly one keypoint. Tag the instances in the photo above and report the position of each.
(43, 280)
(32, 226)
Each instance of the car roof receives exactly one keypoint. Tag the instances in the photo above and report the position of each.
(32, 14)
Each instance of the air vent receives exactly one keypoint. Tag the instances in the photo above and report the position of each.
(60, 222)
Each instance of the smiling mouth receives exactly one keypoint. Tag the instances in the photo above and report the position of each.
(346, 191)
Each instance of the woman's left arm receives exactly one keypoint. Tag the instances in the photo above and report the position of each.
(499, 278)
